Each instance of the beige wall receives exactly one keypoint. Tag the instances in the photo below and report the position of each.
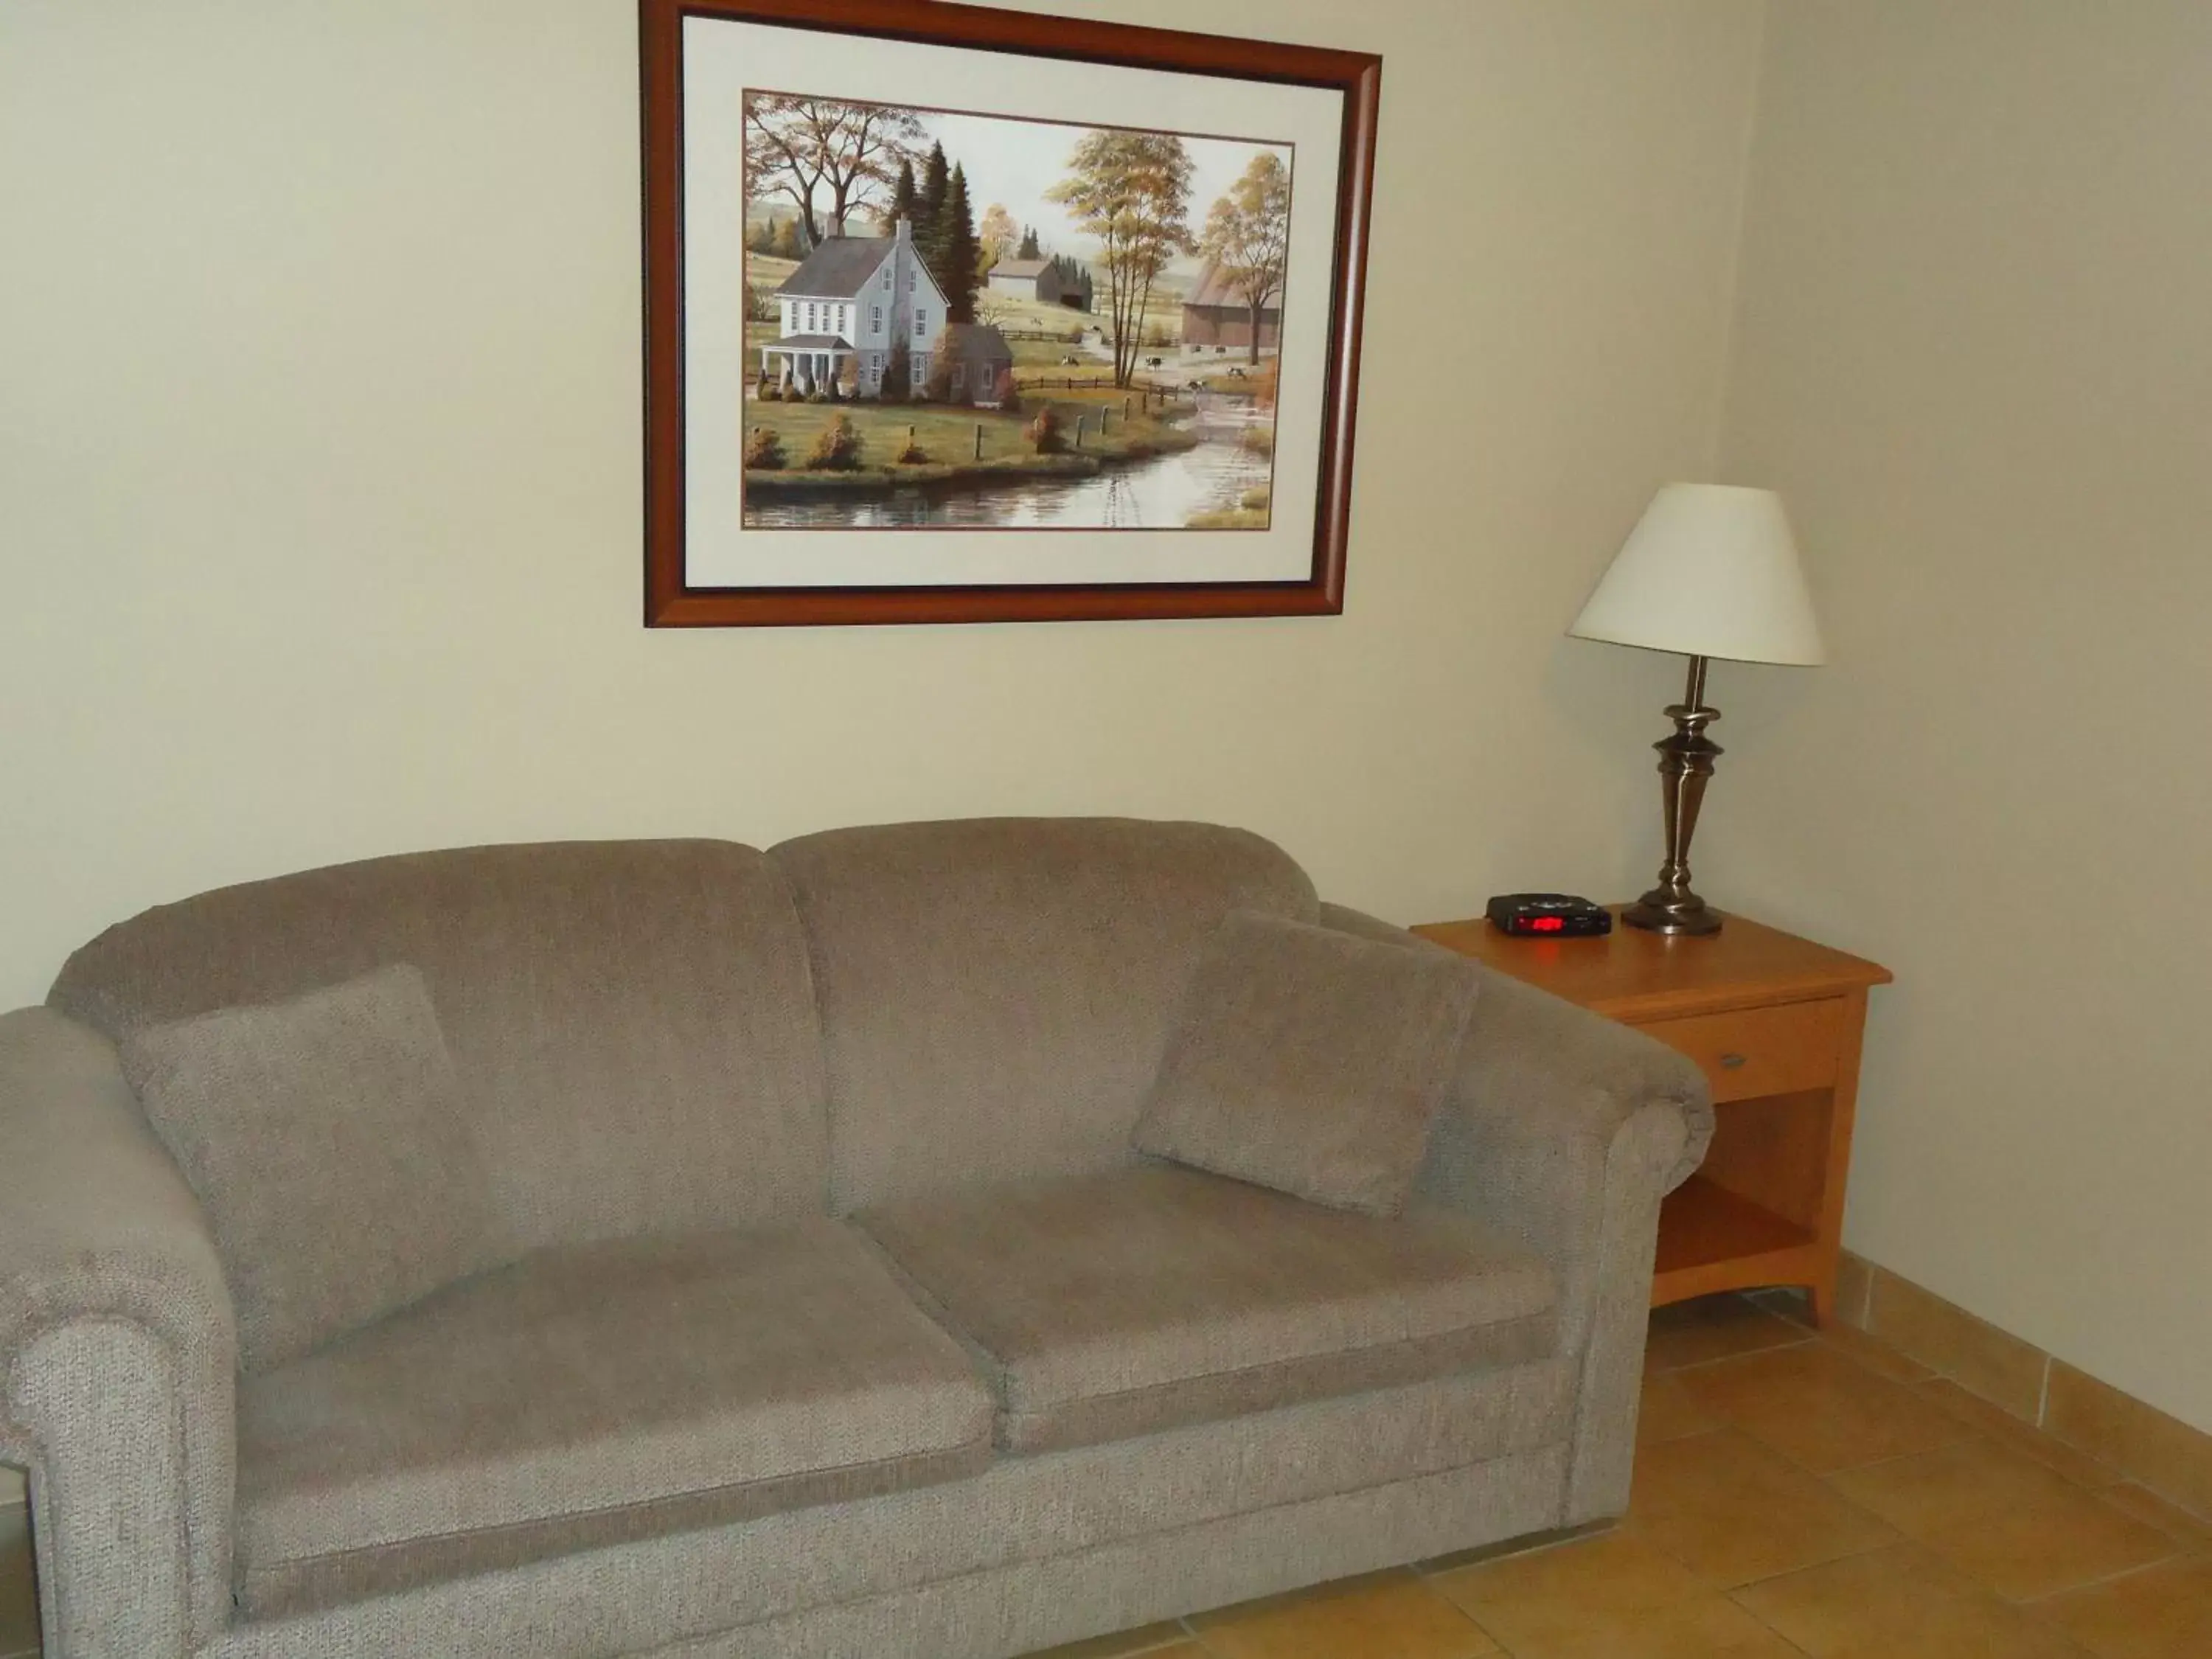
(1974, 348)
(318, 362)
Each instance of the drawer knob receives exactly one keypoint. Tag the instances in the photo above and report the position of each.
(1732, 1061)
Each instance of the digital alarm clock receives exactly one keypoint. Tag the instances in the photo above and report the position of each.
(1548, 916)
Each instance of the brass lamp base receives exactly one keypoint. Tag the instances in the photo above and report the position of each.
(1661, 912)
(1685, 761)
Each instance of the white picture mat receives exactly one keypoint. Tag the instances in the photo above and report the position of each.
(723, 57)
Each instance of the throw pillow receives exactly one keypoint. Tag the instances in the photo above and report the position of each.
(1311, 1061)
(324, 1135)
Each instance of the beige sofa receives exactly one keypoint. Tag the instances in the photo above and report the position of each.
(838, 1318)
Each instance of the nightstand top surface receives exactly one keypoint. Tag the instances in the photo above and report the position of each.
(1632, 974)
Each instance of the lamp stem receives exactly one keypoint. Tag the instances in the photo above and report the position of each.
(1685, 761)
(1693, 694)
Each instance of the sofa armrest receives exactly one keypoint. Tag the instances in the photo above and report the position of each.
(118, 1355)
(1536, 1066)
(1565, 1130)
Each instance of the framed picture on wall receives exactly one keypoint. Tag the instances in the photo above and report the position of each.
(957, 314)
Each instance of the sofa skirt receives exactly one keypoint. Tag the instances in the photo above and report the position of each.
(1017, 1610)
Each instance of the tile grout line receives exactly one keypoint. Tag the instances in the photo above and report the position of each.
(1966, 1432)
(2178, 1551)
(1719, 1592)
(2049, 1362)
(2179, 1554)
(1481, 1629)
(1728, 1595)
(1798, 1342)
(2031, 1609)
(2038, 1425)
(2021, 1425)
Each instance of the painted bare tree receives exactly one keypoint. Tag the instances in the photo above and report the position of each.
(1131, 191)
(827, 157)
(1247, 237)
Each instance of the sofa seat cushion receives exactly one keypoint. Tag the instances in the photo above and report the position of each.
(1114, 1304)
(594, 1393)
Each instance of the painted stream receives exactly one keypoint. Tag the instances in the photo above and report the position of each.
(1160, 493)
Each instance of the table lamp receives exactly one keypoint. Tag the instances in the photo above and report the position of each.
(1709, 571)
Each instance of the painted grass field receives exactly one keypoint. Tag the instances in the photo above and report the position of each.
(947, 437)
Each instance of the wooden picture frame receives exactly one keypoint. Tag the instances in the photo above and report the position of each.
(928, 533)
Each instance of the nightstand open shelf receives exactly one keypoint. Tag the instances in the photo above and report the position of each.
(1711, 1239)
(1775, 1023)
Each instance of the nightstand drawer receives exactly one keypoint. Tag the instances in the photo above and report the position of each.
(1760, 1051)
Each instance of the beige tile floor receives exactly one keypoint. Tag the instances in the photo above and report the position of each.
(1818, 1497)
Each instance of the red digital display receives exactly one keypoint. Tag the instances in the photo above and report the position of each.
(1545, 924)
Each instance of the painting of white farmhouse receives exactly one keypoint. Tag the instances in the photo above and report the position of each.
(959, 319)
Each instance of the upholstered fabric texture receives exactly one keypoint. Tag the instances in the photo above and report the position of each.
(1311, 1061)
(1121, 1303)
(119, 1352)
(325, 1136)
(1492, 1434)
(1007, 1613)
(631, 1021)
(996, 993)
(590, 1394)
(1566, 1129)
(1524, 1039)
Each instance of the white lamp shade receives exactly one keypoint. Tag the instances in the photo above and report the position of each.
(1711, 570)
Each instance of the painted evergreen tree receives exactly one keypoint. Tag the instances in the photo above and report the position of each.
(929, 214)
(1029, 249)
(936, 179)
(954, 265)
(906, 199)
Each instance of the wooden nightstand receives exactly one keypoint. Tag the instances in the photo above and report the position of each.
(1775, 1021)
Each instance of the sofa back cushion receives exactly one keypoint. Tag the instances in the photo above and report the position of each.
(630, 1023)
(996, 993)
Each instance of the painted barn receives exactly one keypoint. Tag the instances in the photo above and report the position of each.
(1217, 314)
(1026, 279)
